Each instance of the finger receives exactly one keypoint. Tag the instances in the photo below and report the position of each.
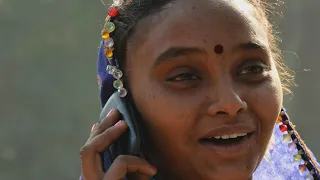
(109, 136)
(129, 164)
(90, 152)
(89, 165)
(111, 119)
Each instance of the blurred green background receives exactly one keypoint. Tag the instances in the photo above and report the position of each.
(48, 92)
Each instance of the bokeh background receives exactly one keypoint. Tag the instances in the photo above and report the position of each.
(48, 92)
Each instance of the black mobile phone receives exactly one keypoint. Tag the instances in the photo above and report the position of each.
(130, 142)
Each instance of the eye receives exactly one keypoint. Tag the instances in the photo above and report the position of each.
(255, 69)
(184, 77)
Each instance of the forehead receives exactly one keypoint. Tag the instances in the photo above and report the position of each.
(199, 23)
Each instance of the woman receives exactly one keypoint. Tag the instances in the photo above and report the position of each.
(207, 79)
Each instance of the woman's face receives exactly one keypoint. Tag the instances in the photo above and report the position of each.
(195, 101)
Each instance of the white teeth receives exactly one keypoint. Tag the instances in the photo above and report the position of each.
(225, 136)
(242, 134)
(228, 136)
(233, 135)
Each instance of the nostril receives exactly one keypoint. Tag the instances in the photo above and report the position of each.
(222, 113)
(240, 110)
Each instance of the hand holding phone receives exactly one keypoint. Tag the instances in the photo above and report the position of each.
(103, 135)
(130, 143)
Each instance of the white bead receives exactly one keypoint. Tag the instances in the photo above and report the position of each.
(117, 74)
(122, 92)
(109, 42)
(111, 69)
(117, 84)
(117, 2)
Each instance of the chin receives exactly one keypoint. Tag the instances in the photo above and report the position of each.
(230, 175)
(231, 161)
(229, 168)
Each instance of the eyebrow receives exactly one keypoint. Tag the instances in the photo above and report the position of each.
(173, 52)
(251, 46)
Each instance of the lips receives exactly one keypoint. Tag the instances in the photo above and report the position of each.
(228, 131)
(229, 140)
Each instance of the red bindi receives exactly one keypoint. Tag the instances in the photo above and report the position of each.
(218, 49)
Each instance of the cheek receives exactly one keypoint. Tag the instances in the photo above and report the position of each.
(168, 119)
(266, 98)
(266, 102)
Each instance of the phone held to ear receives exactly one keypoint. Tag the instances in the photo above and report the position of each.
(130, 142)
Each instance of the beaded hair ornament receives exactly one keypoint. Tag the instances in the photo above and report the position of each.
(112, 67)
(287, 156)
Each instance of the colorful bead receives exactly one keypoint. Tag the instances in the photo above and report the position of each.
(109, 53)
(105, 34)
(110, 69)
(297, 157)
(117, 84)
(287, 137)
(122, 92)
(292, 146)
(302, 167)
(108, 42)
(110, 27)
(117, 74)
(113, 12)
(279, 119)
(283, 128)
(298, 145)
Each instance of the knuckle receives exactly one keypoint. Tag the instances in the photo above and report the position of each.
(110, 135)
(84, 150)
(99, 128)
(122, 159)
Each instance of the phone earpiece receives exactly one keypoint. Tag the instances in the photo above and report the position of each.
(129, 143)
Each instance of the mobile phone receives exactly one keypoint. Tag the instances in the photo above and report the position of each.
(130, 142)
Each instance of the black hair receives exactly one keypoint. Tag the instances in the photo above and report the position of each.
(130, 13)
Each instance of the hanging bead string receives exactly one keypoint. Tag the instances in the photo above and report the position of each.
(297, 142)
(113, 67)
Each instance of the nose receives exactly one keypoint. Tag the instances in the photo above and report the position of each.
(226, 101)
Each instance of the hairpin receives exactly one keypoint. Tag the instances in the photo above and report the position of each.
(113, 65)
(294, 141)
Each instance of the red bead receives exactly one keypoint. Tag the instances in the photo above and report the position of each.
(112, 12)
(283, 128)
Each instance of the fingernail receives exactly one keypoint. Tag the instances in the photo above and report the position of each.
(119, 122)
(93, 127)
(154, 168)
(109, 113)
